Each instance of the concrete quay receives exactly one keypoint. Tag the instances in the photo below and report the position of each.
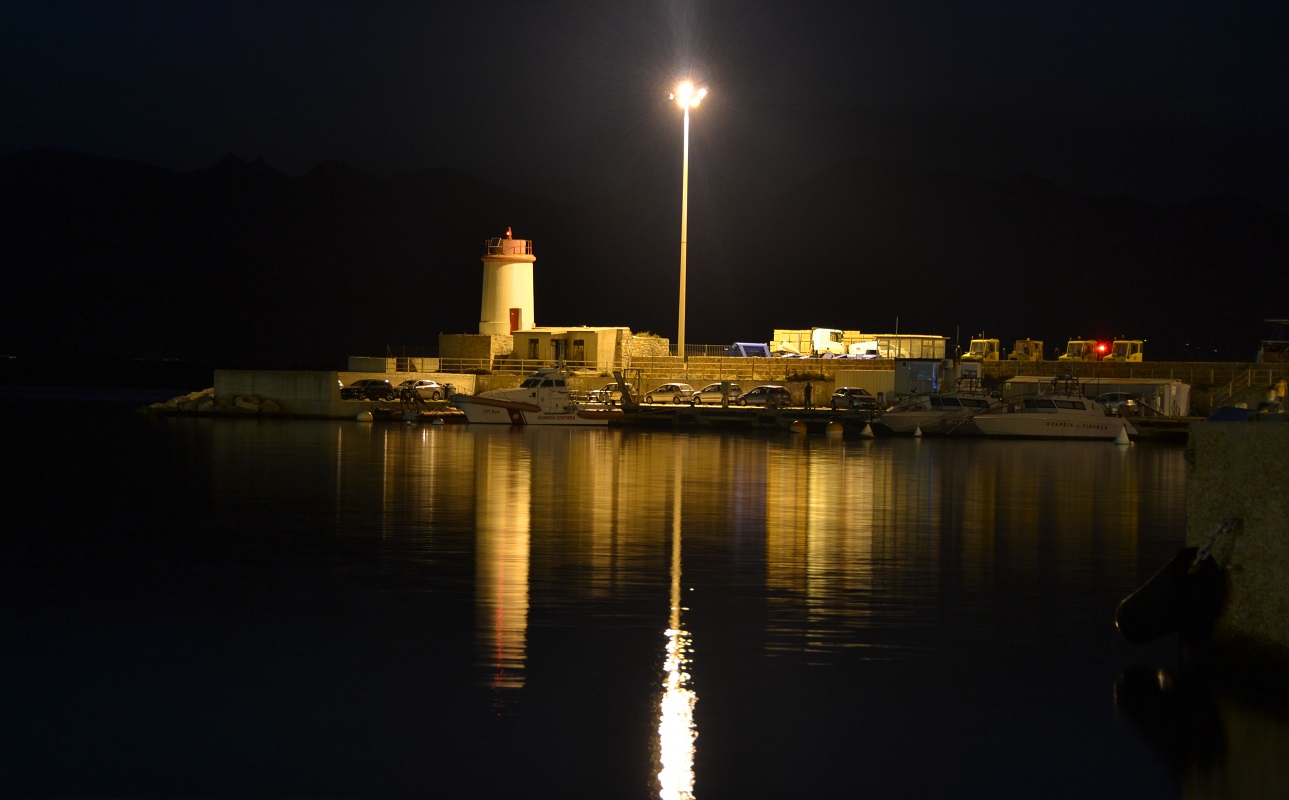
(315, 394)
(1238, 469)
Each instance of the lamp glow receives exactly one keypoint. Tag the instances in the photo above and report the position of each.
(686, 96)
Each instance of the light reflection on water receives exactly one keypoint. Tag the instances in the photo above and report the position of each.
(502, 528)
(676, 732)
(880, 550)
(681, 614)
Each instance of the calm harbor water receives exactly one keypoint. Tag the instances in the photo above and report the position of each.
(205, 608)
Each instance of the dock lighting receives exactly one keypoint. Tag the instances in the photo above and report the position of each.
(687, 97)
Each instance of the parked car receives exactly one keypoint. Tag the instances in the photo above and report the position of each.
(853, 398)
(609, 393)
(711, 393)
(670, 393)
(1118, 403)
(770, 394)
(368, 389)
(425, 389)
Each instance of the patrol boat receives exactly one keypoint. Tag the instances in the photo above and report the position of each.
(543, 398)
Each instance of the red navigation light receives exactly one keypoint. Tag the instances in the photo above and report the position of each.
(1101, 347)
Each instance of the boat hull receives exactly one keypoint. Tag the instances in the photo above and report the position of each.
(1022, 425)
(931, 423)
(499, 412)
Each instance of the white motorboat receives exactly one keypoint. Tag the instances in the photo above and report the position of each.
(942, 413)
(1062, 412)
(543, 398)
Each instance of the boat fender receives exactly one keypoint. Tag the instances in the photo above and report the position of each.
(1184, 597)
(1177, 713)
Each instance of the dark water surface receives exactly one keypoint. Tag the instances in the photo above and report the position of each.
(214, 608)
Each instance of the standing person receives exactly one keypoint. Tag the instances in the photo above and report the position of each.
(810, 390)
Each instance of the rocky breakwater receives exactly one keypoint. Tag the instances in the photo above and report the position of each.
(205, 402)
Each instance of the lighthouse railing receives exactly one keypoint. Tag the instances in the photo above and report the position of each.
(507, 247)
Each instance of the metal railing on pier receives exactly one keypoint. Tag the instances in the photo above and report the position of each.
(708, 362)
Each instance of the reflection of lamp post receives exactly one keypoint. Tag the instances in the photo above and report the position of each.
(676, 731)
(686, 96)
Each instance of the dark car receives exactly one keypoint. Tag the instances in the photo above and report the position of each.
(768, 395)
(368, 389)
(853, 398)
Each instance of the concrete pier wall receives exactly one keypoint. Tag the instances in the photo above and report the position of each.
(314, 394)
(1239, 468)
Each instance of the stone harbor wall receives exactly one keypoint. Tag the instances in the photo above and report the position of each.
(295, 393)
(1239, 469)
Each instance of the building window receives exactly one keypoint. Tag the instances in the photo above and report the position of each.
(532, 350)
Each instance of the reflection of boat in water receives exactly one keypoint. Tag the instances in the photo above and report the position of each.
(1063, 412)
(942, 413)
(543, 398)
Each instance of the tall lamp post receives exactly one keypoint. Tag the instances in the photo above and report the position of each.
(686, 96)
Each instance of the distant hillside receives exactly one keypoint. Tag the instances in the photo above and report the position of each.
(239, 264)
(242, 266)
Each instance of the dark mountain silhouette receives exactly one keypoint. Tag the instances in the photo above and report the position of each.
(241, 266)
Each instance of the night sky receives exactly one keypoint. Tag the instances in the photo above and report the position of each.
(1163, 102)
(1158, 100)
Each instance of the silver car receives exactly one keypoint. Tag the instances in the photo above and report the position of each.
(671, 393)
(1119, 403)
(424, 389)
(711, 393)
(609, 393)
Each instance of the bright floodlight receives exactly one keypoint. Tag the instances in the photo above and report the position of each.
(686, 96)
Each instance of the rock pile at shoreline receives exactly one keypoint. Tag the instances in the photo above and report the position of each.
(205, 402)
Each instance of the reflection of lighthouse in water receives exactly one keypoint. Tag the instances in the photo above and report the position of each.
(507, 286)
(502, 528)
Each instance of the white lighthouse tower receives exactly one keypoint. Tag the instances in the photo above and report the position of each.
(507, 286)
